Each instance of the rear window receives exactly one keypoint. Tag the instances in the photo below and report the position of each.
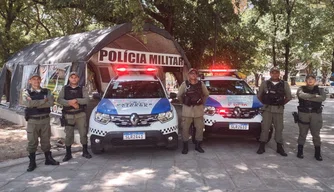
(228, 87)
(135, 89)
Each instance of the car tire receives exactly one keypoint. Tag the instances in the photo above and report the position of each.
(173, 146)
(97, 150)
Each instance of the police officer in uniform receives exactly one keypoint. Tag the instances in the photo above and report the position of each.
(37, 113)
(74, 99)
(192, 94)
(274, 94)
(309, 113)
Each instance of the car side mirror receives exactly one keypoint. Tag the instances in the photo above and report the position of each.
(97, 96)
(172, 95)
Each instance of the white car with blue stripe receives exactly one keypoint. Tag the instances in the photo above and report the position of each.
(134, 110)
(232, 107)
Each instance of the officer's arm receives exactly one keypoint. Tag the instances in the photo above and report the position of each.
(319, 98)
(61, 99)
(49, 101)
(85, 99)
(26, 100)
(205, 93)
(181, 92)
(302, 95)
(260, 92)
(288, 95)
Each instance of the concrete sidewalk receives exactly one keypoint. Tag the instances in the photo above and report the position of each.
(228, 164)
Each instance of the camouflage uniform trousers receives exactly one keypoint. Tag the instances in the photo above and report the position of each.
(38, 129)
(79, 121)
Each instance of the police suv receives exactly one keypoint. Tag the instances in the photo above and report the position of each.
(134, 110)
(232, 106)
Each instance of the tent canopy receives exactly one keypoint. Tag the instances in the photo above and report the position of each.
(80, 48)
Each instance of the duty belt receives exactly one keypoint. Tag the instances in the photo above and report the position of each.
(73, 112)
(309, 110)
(39, 117)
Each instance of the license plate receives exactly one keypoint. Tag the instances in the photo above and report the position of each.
(134, 136)
(239, 126)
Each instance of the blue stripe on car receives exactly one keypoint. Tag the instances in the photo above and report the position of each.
(212, 102)
(162, 106)
(256, 102)
(106, 106)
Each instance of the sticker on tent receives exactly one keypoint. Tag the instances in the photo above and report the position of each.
(122, 56)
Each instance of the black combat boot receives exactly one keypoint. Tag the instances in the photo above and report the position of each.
(261, 149)
(68, 155)
(280, 150)
(317, 153)
(300, 152)
(49, 159)
(198, 147)
(85, 152)
(185, 148)
(32, 164)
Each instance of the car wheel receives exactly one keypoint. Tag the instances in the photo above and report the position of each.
(174, 145)
(97, 150)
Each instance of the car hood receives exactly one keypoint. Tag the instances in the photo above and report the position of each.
(231, 101)
(129, 106)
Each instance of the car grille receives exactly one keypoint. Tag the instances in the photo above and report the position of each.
(124, 120)
(238, 113)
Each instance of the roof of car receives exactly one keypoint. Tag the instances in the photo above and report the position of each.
(137, 78)
(221, 78)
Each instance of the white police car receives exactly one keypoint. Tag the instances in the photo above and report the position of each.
(232, 106)
(134, 110)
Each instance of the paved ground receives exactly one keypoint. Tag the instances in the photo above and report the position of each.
(229, 164)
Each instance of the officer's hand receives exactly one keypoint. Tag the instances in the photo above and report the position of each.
(76, 106)
(72, 102)
(29, 98)
(46, 99)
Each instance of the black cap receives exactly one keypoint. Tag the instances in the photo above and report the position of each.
(310, 75)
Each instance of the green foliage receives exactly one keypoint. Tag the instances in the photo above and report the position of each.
(250, 38)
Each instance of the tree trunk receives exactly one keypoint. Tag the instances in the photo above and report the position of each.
(287, 43)
(274, 41)
(257, 78)
(333, 61)
(293, 80)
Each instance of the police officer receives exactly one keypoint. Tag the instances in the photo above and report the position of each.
(38, 102)
(274, 94)
(309, 113)
(74, 99)
(192, 94)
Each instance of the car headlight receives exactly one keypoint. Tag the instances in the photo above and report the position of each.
(164, 117)
(102, 118)
(209, 110)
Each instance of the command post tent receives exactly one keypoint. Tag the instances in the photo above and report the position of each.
(93, 55)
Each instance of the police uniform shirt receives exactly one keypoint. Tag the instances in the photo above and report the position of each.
(311, 97)
(272, 108)
(37, 103)
(196, 110)
(81, 101)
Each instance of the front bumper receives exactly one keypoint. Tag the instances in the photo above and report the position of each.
(153, 138)
(223, 128)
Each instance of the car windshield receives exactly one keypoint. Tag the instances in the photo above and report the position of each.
(134, 89)
(228, 87)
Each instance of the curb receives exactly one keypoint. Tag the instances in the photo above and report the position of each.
(39, 156)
